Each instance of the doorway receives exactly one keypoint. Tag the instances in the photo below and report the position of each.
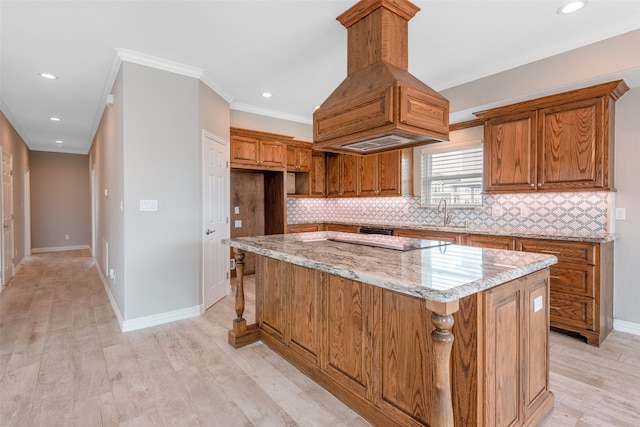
(215, 219)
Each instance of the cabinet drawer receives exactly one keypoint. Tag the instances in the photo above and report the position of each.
(584, 253)
(576, 279)
(570, 310)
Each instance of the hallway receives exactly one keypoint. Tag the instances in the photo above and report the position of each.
(64, 361)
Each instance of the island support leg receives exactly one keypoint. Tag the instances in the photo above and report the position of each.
(442, 342)
(241, 334)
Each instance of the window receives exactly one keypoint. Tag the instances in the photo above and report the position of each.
(452, 171)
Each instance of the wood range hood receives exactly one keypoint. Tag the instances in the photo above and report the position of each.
(380, 106)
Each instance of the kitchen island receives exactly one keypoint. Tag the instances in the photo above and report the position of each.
(420, 334)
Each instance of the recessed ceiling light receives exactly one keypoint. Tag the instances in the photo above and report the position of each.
(54, 119)
(47, 76)
(59, 141)
(572, 6)
(267, 94)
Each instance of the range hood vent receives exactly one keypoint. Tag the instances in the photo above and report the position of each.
(380, 106)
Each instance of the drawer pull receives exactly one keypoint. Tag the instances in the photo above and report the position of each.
(549, 252)
(554, 308)
(555, 277)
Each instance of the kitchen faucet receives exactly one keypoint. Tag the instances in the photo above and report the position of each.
(447, 217)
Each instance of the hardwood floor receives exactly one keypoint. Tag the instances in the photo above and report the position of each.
(64, 362)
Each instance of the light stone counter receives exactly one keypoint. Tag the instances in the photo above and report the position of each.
(442, 273)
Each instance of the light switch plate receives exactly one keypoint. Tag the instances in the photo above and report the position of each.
(149, 205)
(621, 213)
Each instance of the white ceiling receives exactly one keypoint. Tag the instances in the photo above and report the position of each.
(294, 49)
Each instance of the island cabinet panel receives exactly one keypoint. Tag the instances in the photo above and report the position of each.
(348, 357)
(373, 347)
(517, 349)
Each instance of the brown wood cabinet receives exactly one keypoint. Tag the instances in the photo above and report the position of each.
(258, 150)
(561, 142)
(384, 174)
(445, 236)
(318, 174)
(303, 228)
(373, 347)
(492, 242)
(581, 286)
(342, 175)
(299, 156)
(345, 228)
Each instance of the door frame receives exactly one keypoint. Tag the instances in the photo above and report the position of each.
(2, 208)
(208, 135)
(27, 212)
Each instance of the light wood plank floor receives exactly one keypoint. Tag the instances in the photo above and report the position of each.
(64, 362)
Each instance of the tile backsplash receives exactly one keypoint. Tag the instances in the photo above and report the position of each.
(566, 212)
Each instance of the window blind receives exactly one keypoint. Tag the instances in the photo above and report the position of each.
(454, 174)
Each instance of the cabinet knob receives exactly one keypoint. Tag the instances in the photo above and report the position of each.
(533, 186)
(539, 185)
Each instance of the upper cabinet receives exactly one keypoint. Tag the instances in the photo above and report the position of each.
(318, 174)
(258, 150)
(299, 157)
(342, 176)
(383, 174)
(561, 142)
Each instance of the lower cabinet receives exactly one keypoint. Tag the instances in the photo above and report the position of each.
(493, 242)
(581, 286)
(444, 236)
(345, 228)
(372, 347)
(303, 228)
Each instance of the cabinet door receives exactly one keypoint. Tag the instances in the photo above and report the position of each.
(349, 175)
(443, 236)
(272, 153)
(389, 173)
(368, 175)
(244, 150)
(318, 174)
(334, 172)
(303, 159)
(571, 153)
(492, 242)
(292, 159)
(510, 153)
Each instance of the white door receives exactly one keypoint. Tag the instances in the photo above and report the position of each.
(7, 218)
(215, 205)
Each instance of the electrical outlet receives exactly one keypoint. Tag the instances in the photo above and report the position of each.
(621, 213)
(238, 223)
(496, 210)
(525, 211)
(66, 237)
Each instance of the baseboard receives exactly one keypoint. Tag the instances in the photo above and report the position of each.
(161, 318)
(59, 249)
(18, 267)
(112, 300)
(624, 326)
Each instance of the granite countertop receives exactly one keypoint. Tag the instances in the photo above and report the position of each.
(572, 236)
(437, 273)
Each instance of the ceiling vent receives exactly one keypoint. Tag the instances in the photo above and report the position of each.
(380, 106)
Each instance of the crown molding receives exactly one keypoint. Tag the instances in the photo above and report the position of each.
(159, 63)
(208, 81)
(271, 113)
(11, 119)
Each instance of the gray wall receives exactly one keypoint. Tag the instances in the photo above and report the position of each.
(12, 143)
(60, 200)
(244, 120)
(627, 156)
(148, 147)
(107, 160)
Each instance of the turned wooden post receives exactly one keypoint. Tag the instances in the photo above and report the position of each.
(241, 334)
(442, 342)
(239, 323)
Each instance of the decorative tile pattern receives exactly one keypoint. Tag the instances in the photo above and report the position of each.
(566, 212)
